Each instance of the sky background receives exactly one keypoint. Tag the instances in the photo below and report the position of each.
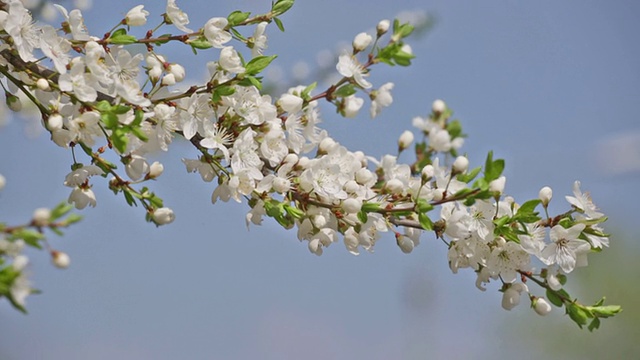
(553, 88)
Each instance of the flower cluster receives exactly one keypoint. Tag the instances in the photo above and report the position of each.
(120, 106)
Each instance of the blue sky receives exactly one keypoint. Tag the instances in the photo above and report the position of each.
(551, 87)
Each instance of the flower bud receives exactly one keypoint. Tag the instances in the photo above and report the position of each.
(460, 165)
(510, 298)
(497, 185)
(541, 306)
(54, 122)
(351, 187)
(394, 186)
(43, 84)
(405, 140)
(3, 182)
(553, 282)
(326, 145)
(428, 172)
(136, 16)
(154, 73)
(405, 244)
(520, 287)
(291, 159)
(545, 195)
(169, 80)
(13, 102)
(155, 170)
(41, 216)
(383, 27)
(361, 41)
(177, 71)
(60, 259)
(364, 176)
(290, 103)
(438, 106)
(351, 205)
(281, 185)
(163, 216)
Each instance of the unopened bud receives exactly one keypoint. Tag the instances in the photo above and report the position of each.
(383, 27)
(13, 102)
(177, 71)
(60, 259)
(326, 145)
(438, 106)
(405, 140)
(405, 244)
(351, 205)
(361, 41)
(43, 84)
(460, 165)
(541, 306)
(394, 186)
(553, 282)
(41, 216)
(497, 185)
(545, 195)
(163, 216)
(428, 172)
(54, 122)
(155, 170)
(510, 298)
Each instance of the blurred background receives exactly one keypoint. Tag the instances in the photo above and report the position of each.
(553, 88)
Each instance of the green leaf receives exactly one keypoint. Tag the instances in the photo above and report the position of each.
(501, 221)
(279, 24)
(139, 134)
(362, 216)
(200, 43)
(237, 17)
(604, 311)
(138, 117)
(454, 128)
(164, 39)
(528, 207)
(119, 139)
(578, 314)
(109, 119)
(129, 198)
(425, 221)
(492, 169)
(258, 63)
(60, 210)
(345, 90)
(370, 207)
(554, 298)
(31, 237)
(306, 93)
(72, 219)
(424, 206)
(293, 211)
(120, 37)
(120, 109)
(281, 6)
(220, 91)
(103, 105)
(595, 324)
(466, 178)
(255, 82)
(403, 58)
